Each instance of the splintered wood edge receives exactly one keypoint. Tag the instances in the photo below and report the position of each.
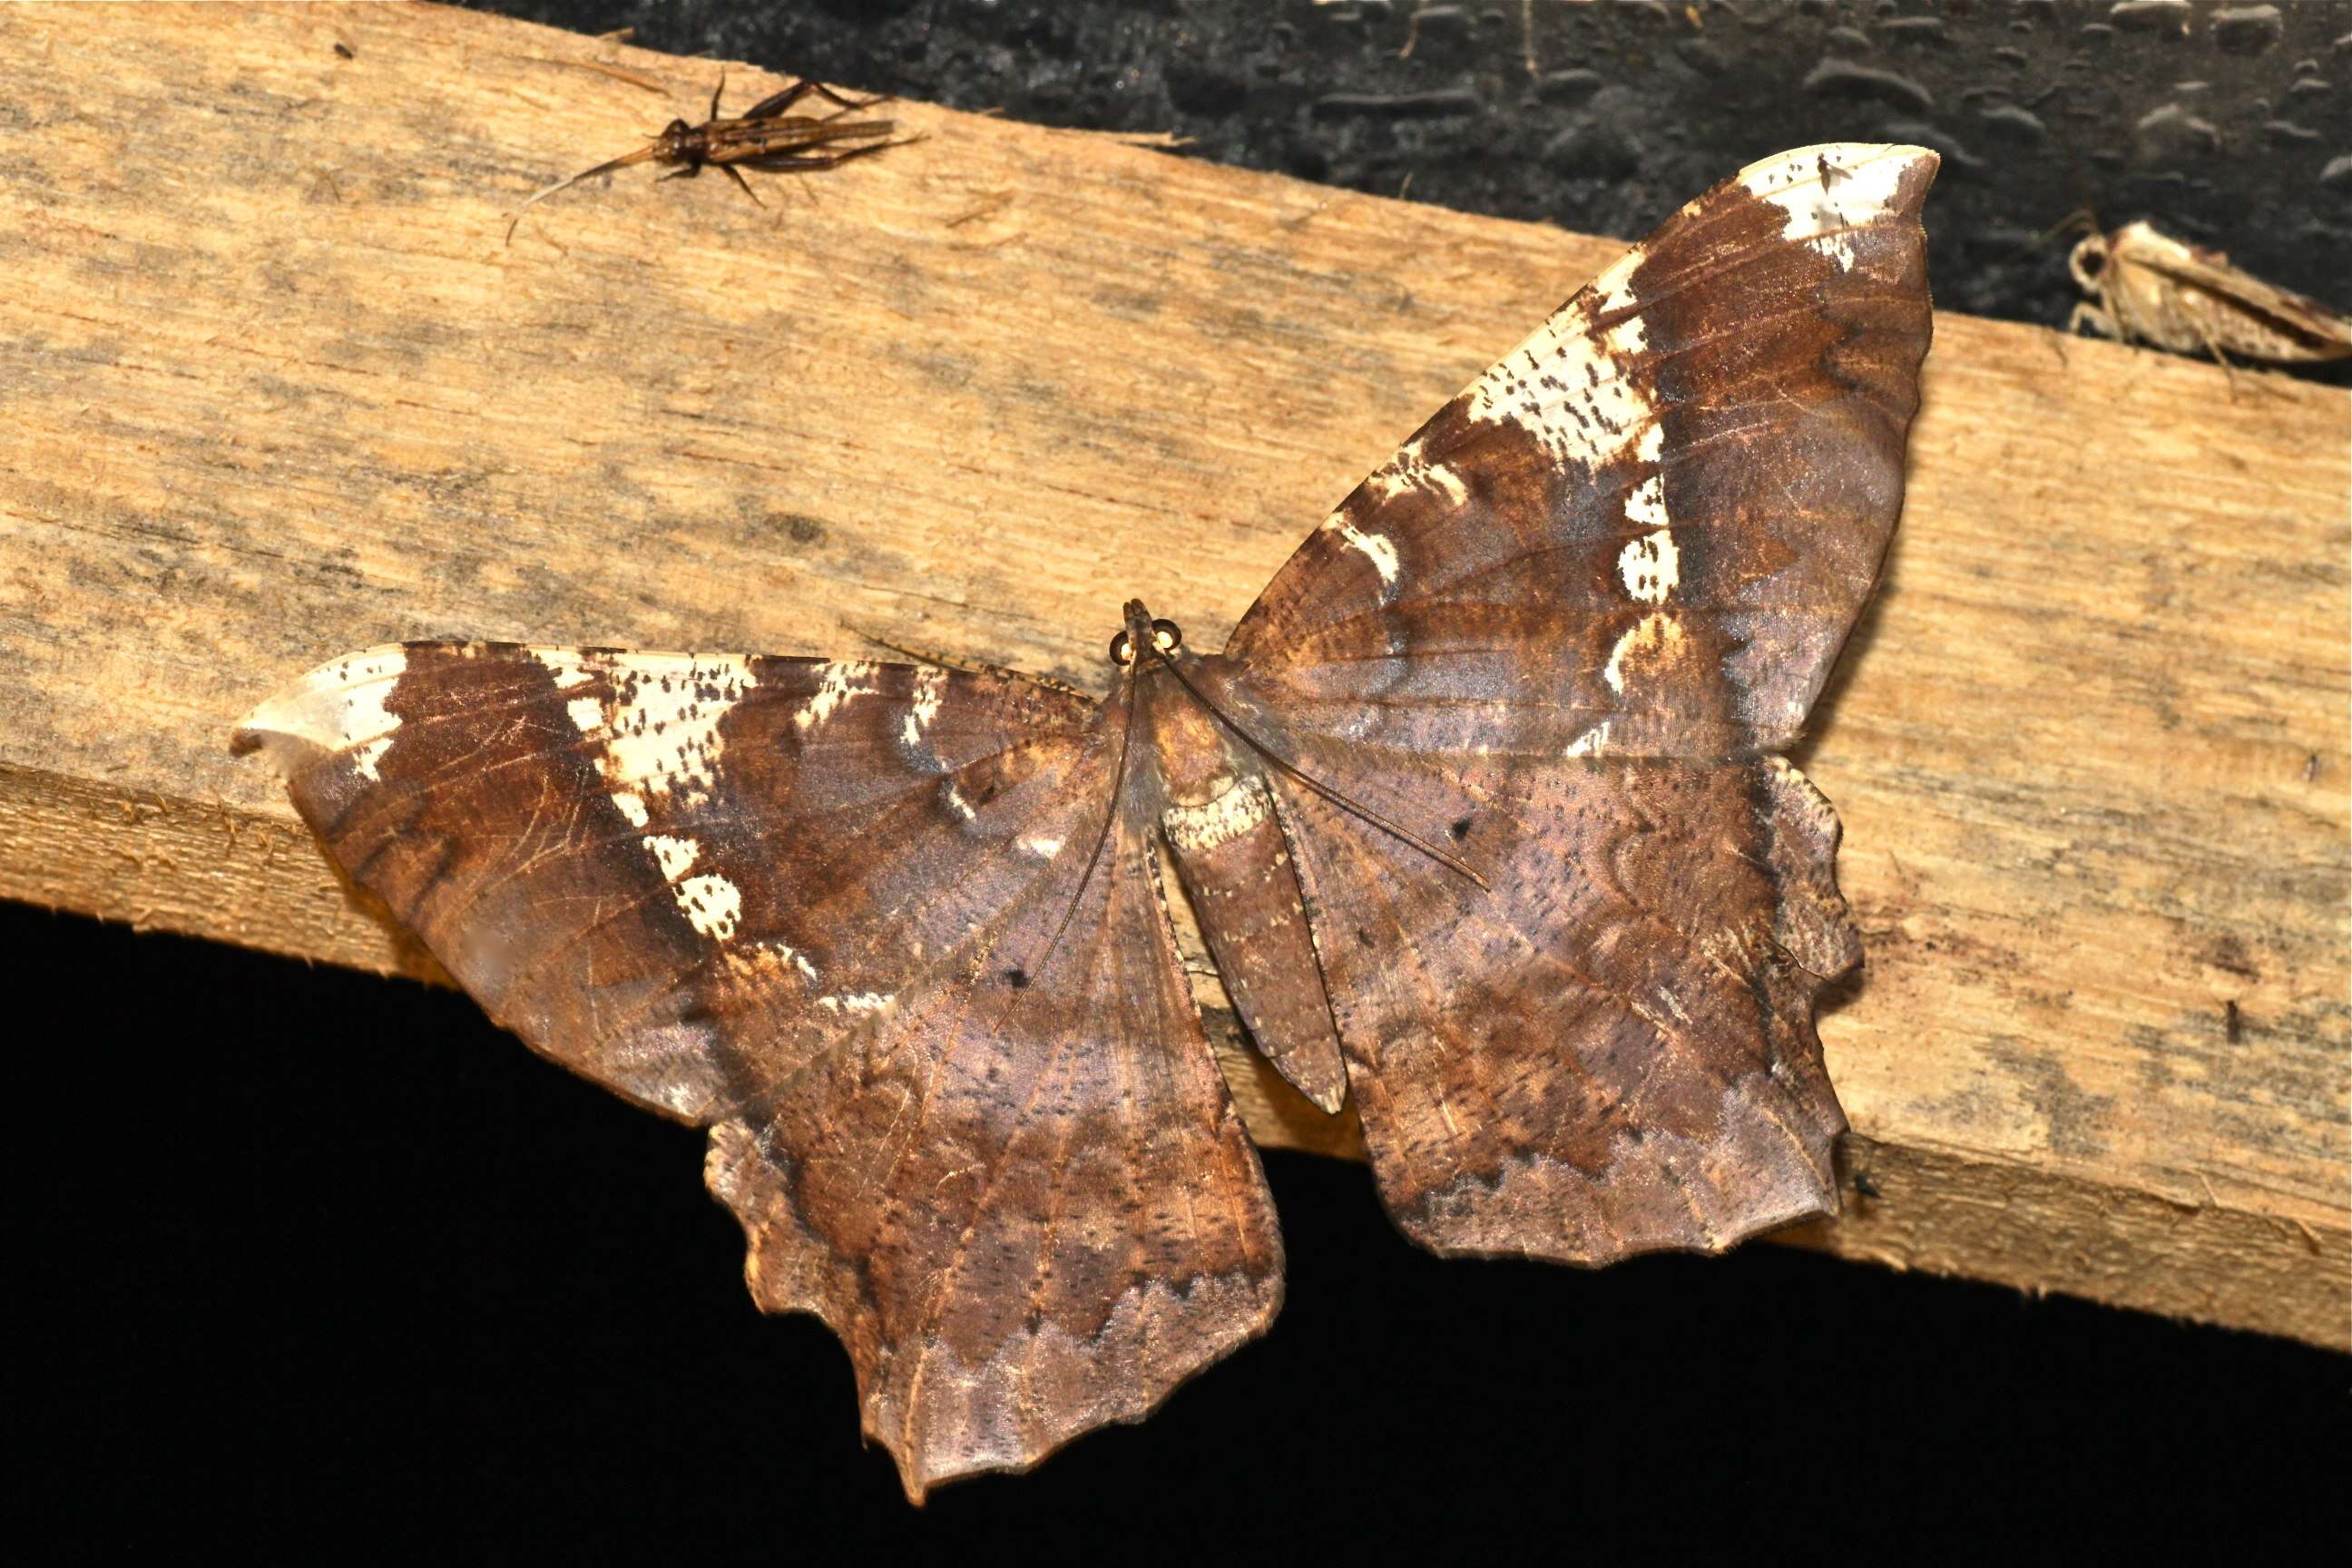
(258, 879)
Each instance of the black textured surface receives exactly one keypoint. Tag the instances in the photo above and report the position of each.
(324, 1265)
(2230, 125)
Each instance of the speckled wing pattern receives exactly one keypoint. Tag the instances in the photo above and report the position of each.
(1483, 812)
(814, 907)
(1566, 632)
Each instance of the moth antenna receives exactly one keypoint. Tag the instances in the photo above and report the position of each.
(1336, 796)
(2082, 219)
(1117, 795)
(2213, 347)
(639, 156)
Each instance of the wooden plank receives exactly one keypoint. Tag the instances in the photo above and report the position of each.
(274, 388)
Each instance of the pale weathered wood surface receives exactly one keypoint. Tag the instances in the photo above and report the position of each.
(272, 388)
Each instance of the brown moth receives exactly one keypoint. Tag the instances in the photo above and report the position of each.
(2155, 290)
(763, 137)
(1484, 810)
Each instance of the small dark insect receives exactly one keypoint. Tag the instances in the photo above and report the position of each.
(1865, 1185)
(2232, 1025)
(763, 137)
(343, 51)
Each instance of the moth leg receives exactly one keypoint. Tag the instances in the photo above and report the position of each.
(735, 174)
(2088, 319)
(683, 171)
(2229, 369)
(717, 92)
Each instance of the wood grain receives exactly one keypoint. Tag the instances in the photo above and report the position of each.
(272, 388)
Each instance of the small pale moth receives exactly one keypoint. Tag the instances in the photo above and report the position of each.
(2152, 288)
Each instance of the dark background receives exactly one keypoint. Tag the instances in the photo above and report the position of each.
(307, 1259)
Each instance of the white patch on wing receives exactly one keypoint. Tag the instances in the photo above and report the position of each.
(1652, 445)
(1653, 636)
(1645, 506)
(662, 729)
(929, 682)
(858, 1004)
(565, 666)
(338, 707)
(1567, 385)
(770, 961)
(1614, 287)
(1377, 548)
(1410, 470)
(662, 739)
(835, 685)
(1860, 188)
(673, 855)
(1590, 743)
(1395, 477)
(1043, 846)
(713, 905)
(366, 757)
(1650, 567)
(1196, 828)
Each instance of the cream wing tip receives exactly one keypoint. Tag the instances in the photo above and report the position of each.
(337, 707)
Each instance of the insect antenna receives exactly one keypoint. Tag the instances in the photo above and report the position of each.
(1118, 796)
(1336, 796)
(623, 161)
(602, 67)
(2081, 220)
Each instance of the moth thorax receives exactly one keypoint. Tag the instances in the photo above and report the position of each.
(1190, 747)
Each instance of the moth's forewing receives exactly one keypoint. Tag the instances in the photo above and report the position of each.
(1569, 628)
(2191, 300)
(848, 916)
